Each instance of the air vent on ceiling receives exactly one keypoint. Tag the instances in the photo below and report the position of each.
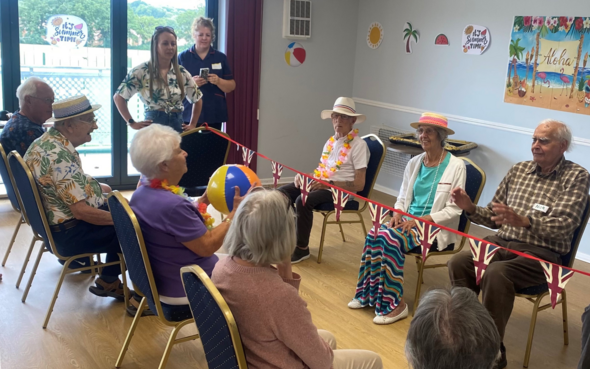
(297, 19)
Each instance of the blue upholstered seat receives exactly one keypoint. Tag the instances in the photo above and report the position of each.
(140, 271)
(215, 322)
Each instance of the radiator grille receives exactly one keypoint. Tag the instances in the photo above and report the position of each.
(394, 162)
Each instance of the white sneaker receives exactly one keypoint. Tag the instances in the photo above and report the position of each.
(355, 304)
(382, 319)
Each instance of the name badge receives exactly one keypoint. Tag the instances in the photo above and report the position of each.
(216, 66)
(541, 208)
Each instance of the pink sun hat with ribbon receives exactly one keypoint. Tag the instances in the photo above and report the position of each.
(344, 105)
(435, 120)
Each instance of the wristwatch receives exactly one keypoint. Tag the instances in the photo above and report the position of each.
(227, 220)
(130, 121)
(331, 182)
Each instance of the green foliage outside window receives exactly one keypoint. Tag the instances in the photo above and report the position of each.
(142, 18)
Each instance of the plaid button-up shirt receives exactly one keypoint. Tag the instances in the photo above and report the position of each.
(564, 192)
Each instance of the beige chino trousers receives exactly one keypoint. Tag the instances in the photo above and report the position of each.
(351, 359)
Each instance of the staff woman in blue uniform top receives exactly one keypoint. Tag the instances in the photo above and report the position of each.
(220, 79)
(162, 85)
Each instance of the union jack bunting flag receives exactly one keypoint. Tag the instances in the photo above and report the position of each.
(247, 156)
(427, 234)
(277, 170)
(378, 214)
(557, 278)
(340, 198)
(482, 253)
(305, 188)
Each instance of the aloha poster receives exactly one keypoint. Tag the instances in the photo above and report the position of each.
(548, 64)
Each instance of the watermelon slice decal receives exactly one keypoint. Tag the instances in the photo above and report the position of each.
(441, 40)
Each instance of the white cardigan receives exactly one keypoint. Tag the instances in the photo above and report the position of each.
(444, 212)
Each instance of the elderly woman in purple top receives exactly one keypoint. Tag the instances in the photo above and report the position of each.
(174, 231)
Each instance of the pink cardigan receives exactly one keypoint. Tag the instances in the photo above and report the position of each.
(274, 323)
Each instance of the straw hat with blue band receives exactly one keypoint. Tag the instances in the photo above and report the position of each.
(434, 120)
(72, 107)
(344, 105)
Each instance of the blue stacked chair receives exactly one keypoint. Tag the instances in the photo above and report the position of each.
(33, 207)
(214, 320)
(140, 270)
(474, 183)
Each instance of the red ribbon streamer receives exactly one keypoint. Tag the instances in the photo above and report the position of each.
(528, 256)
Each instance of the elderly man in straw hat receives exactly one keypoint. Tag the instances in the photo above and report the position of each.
(74, 203)
(343, 163)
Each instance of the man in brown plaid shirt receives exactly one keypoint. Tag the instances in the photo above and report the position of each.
(537, 207)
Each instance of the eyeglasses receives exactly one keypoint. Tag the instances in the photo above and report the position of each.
(336, 116)
(47, 100)
(93, 121)
(428, 131)
(160, 28)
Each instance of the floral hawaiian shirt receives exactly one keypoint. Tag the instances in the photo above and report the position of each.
(19, 133)
(165, 98)
(58, 172)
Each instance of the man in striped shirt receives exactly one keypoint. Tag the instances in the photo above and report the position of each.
(537, 207)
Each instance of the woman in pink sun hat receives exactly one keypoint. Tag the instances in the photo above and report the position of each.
(425, 193)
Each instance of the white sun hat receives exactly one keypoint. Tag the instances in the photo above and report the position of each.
(344, 105)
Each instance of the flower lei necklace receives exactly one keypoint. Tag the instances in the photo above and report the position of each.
(324, 170)
(177, 190)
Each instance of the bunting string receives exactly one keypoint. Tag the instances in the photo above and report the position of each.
(389, 208)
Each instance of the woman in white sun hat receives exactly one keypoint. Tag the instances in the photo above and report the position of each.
(343, 163)
(425, 193)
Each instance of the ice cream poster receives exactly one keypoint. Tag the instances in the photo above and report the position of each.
(66, 31)
(548, 63)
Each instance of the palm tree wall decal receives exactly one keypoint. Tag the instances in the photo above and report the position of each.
(410, 33)
(516, 53)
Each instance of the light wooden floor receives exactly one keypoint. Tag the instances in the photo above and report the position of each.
(87, 332)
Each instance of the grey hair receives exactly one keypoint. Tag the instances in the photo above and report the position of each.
(27, 88)
(451, 329)
(263, 229)
(442, 135)
(151, 146)
(564, 133)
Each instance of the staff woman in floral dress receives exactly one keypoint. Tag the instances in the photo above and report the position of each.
(162, 85)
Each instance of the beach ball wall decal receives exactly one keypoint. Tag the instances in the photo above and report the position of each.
(375, 35)
(295, 54)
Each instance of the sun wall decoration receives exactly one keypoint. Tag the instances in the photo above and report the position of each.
(375, 35)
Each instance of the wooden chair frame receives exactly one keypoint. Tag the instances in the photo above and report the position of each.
(421, 264)
(51, 247)
(536, 299)
(172, 340)
(358, 212)
(229, 317)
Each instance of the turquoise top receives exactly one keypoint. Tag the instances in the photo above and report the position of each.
(421, 204)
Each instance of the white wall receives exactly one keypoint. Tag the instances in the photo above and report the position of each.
(442, 79)
(291, 98)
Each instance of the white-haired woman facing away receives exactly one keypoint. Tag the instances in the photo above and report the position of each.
(274, 323)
